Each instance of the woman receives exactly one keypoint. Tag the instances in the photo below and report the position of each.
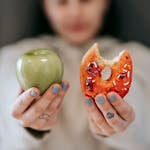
(58, 119)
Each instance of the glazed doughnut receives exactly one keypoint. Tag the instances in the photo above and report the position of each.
(99, 75)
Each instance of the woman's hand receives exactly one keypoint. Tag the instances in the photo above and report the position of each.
(108, 115)
(39, 112)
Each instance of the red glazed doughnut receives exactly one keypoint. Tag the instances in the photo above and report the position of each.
(98, 75)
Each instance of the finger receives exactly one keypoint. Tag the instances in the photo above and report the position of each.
(65, 86)
(55, 105)
(23, 101)
(53, 111)
(97, 132)
(94, 128)
(96, 115)
(121, 106)
(53, 108)
(49, 113)
(58, 100)
(40, 106)
(109, 113)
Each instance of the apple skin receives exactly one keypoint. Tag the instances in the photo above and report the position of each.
(39, 68)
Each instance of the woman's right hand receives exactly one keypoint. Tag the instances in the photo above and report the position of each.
(39, 112)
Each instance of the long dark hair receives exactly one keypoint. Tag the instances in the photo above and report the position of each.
(43, 25)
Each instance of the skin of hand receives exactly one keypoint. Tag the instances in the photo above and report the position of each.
(108, 115)
(36, 111)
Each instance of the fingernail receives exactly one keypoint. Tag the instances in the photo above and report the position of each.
(55, 89)
(112, 98)
(100, 100)
(88, 102)
(33, 93)
(64, 86)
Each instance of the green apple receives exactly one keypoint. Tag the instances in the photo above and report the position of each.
(39, 68)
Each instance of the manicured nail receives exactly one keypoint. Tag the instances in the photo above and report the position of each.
(112, 98)
(64, 86)
(33, 93)
(55, 89)
(88, 102)
(100, 100)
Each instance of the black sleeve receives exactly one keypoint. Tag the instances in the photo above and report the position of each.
(36, 133)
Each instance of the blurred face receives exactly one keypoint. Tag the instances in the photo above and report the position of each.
(77, 21)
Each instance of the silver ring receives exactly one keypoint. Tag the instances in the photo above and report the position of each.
(45, 117)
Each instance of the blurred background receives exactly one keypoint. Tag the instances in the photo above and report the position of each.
(127, 20)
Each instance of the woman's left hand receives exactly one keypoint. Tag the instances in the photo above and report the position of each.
(109, 114)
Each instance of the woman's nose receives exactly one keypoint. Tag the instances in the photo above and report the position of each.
(74, 10)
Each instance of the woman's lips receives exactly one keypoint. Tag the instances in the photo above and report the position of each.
(77, 27)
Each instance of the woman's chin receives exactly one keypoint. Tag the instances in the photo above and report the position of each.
(78, 40)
